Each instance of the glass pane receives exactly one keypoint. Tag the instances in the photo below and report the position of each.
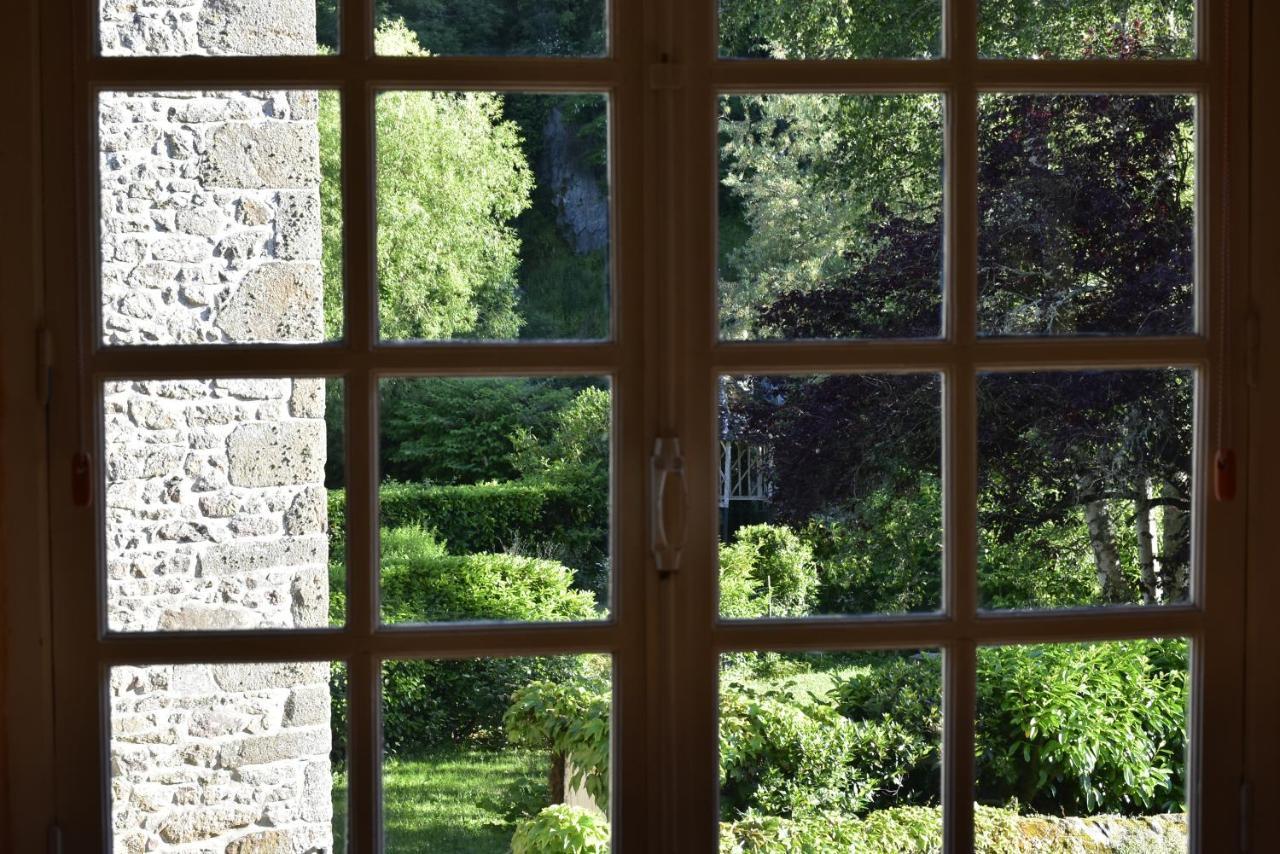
(830, 495)
(1083, 742)
(1086, 488)
(831, 29)
(220, 217)
(217, 27)
(830, 752)
(493, 216)
(493, 28)
(494, 499)
(1087, 214)
(830, 216)
(496, 754)
(227, 757)
(1087, 29)
(218, 497)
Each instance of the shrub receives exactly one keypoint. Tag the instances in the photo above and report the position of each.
(883, 556)
(788, 758)
(482, 517)
(907, 691)
(562, 829)
(1083, 728)
(918, 830)
(772, 565)
(570, 719)
(427, 703)
(461, 430)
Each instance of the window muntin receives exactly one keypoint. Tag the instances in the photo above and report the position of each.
(1106, 353)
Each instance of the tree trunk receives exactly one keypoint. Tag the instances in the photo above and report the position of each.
(1105, 557)
(555, 778)
(1175, 546)
(1146, 542)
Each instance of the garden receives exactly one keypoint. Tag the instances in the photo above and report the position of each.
(494, 498)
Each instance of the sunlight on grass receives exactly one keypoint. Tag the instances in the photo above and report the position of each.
(454, 800)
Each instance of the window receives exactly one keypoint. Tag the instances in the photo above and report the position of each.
(476, 410)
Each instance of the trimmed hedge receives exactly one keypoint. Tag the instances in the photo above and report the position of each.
(481, 517)
(918, 830)
(427, 703)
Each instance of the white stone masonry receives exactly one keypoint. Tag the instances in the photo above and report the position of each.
(215, 510)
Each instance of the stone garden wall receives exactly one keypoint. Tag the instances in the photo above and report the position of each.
(215, 505)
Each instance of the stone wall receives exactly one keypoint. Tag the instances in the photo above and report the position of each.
(215, 506)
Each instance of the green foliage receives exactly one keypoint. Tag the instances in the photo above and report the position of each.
(480, 517)
(831, 29)
(1084, 728)
(1085, 28)
(883, 555)
(428, 703)
(562, 829)
(1049, 566)
(773, 566)
(450, 430)
(918, 830)
(421, 582)
(451, 176)
(812, 172)
(789, 758)
(571, 719)
(502, 27)
(907, 691)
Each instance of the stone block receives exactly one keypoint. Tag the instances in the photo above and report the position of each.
(298, 231)
(207, 618)
(206, 823)
(240, 678)
(307, 398)
(263, 749)
(263, 155)
(308, 513)
(237, 558)
(264, 842)
(273, 453)
(307, 705)
(257, 28)
(277, 301)
(309, 602)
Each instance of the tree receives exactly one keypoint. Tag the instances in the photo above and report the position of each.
(1086, 227)
(450, 179)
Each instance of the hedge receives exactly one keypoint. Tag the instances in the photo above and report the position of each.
(482, 517)
(428, 703)
(918, 830)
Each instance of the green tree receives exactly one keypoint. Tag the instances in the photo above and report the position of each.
(451, 177)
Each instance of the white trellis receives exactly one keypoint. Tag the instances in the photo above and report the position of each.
(743, 472)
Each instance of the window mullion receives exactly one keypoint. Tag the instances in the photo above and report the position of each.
(359, 205)
(960, 425)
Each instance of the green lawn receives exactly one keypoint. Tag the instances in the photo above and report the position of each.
(454, 800)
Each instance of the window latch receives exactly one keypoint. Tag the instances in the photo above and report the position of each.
(667, 510)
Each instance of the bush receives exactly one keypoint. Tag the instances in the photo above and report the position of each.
(427, 703)
(562, 829)
(461, 430)
(482, 517)
(885, 555)
(791, 759)
(570, 719)
(771, 565)
(907, 691)
(1084, 728)
(918, 830)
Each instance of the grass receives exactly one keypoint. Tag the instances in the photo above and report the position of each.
(454, 800)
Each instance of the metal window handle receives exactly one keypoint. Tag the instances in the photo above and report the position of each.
(665, 464)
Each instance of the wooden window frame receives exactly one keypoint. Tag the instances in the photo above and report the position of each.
(664, 360)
